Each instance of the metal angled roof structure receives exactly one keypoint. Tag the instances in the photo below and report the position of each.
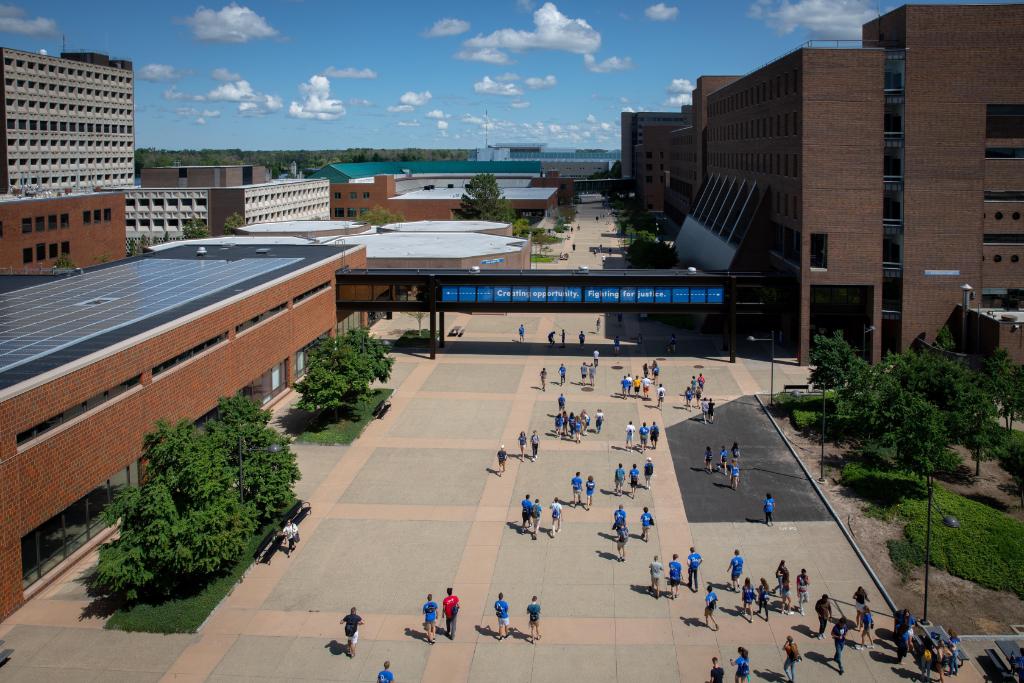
(342, 173)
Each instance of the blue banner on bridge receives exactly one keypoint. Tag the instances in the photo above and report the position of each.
(590, 295)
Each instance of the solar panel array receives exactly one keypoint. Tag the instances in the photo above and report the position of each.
(39, 320)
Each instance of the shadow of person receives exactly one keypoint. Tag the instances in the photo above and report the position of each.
(417, 635)
(335, 648)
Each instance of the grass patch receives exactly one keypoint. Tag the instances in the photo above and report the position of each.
(905, 556)
(540, 258)
(186, 614)
(325, 430)
(412, 338)
(683, 321)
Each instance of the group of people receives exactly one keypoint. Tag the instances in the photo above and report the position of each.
(351, 623)
(728, 463)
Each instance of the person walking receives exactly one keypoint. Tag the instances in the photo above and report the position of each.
(700, 380)
(823, 608)
(561, 382)
(768, 505)
(693, 561)
(735, 569)
(577, 490)
(860, 601)
(522, 445)
(661, 396)
(536, 513)
(634, 480)
(717, 674)
(708, 458)
(723, 459)
(621, 539)
(748, 595)
(645, 434)
(618, 517)
(533, 615)
(689, 398)
(648, 473)
(762, 598)
(556, 518)
(646, 522)
(711, 410)
(522, 334)
(672, 343)
(502, 456)
(352, 622)
(839, 638)
(657, 571)
(787, 604)
(563, 338)
(626, 383)
(583, 373)
(501, 612)
(291, 533)
(535, 444)
(646, 370)
(592, 371)
(590, 492)
(617, 344)
(704, 410)
(551, 339)
(742, 664)
(526, 506)
(583, 338)
(430, 618)
(385, 675)
(450, 606)
(558, 424)
(867, 625)
(645, 384)
(630, 430)
(637, 383)
(710, 605)
(597, 354)
(543, 379)
(620, 478)
(802, 583)
(734, 475)
(735, 450)
(778, 577)
(561, 397)
(599, 420)
(792, 656)
(675, 576)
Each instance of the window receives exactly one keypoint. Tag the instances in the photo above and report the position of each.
(1004, 121)
(255, 320)
(819, 250)
(339, 213)
(106, 214)
(1004, 196)
(87, 217)
(65, 220)
(351, 213)
(26, 225)
(337, 195)
(40, 252)
(96, 216)
(26, 255)
(190, 353)
(308, 293)
(40, 224)
(53, 250)
(51, 222)
(353, 195)
(1004, 152)
(1003, 238)
(366, 195)
(65, 247)
(266, 386)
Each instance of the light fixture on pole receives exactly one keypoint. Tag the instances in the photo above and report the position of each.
(770, 338)
(242, 452)
(864, 343)
(948, 521)
(966, 289)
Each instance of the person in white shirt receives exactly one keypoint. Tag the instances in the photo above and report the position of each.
(291, 534)
(556, 518)
(597, 356)
(704, 410)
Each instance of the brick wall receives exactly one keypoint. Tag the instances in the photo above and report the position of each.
(88, 244)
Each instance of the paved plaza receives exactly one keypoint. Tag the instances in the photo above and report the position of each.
(415, 505)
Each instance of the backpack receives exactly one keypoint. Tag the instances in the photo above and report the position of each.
(713, 604)
(350, 628)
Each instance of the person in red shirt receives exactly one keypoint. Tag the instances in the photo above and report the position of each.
(451, 612)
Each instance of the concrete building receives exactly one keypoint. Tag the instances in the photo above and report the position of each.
(87, 228)
(577, 164)
(432, 190)
(861, 172)
(70, 121)
(238, 320)
(454, 250)
(169, 197)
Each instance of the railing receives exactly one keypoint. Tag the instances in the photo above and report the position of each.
(892, 269)
(851, 44)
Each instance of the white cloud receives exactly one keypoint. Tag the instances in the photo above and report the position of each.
(608, 65)
(175, 95)
(681, 90)
(199, 116)
(237, 91)
(471, 119)
(349, 72)
(317, 102)
(12, 20)
(359, 102)
(233, 23)
(554, 128)
(401, 108)
(442, 125)
(507, 76)
(250, 102)
(487, 54)
(222, 74)
(201, 121)
(606, 126)
(519, 104)
(447, 27)
(591, 118)
(536, 83)
(488, 86)
(159, 72)
(525, 5)
(437, 114)
(662, 12)
(820, 18)
(409, 124)
(552, 31)
(264, 104)
(415, 99)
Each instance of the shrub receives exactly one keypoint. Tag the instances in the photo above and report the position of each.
(805, 420)
(882, 486)
(904, 555)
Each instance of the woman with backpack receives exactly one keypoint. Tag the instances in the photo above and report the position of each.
(792, 657)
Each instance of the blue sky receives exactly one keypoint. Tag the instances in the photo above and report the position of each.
(315, 74)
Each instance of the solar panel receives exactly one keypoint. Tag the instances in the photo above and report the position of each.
(39, 320)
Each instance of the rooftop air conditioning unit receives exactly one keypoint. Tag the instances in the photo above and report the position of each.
(474, 269)
(584, 269)
(200, 252)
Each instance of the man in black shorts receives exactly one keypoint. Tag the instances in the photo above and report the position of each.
(352, 623)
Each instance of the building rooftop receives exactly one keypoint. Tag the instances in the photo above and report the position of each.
(431, 245)
(304, 227)
(343, 173)
(51, 195)
(510, 193)
(46, 325)
(442, 226)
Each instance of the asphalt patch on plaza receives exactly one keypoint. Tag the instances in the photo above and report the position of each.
(765, 465)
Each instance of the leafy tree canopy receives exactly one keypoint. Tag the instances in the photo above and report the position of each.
(378, 215)
(482, 200)
(232, 222)
(340, 371)
(835, 362)
(194, 229)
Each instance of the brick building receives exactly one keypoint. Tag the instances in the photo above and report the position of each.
(883, 175)
(88, 228)
(73, 412)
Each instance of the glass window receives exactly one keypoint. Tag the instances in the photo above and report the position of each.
(26, 255)
(819, 250)
(76, 525)
(40, 252)
(51, 543)
(97, 500)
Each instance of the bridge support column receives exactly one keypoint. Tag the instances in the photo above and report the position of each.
(732, 319)
(432, 303)
(440, 316)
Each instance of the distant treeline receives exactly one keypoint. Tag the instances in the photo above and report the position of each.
(278, 161)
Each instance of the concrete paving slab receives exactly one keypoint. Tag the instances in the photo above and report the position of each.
(446, 418)
(426, 476)
(465, 377)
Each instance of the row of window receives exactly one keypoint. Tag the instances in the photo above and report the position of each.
(758, 162)
(96, 216)
(1003, 238)
(81, 161)
(311, 292)
(42, 88)
(257, 319)
(170, 201)
(780, 125)
(786, 205)
(341, 212)
(190, 353)
(1004, 121)
(18, 144)
(352, 195)
(42, 223)
(70, 71)
(65, 180)
(42, 253)
(764, 91)
(156, 222)
(68, 126)
(1004, 152)
(1004, 195)
(75, 411)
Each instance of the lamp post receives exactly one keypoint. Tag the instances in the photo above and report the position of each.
(242, 451)
(771, 339)
(966, 290)
(864, 343)
(947, 521)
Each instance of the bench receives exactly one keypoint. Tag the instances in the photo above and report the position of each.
(792, 387)
(5, 655)
(456, 331)
(382, 409)
(999, 665)
(273, 541)
(462, 331)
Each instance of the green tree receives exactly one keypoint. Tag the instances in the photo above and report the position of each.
(835, 362)
(194, 229)
(182, 526)
(232, 222)
(378, 215)
(483, 201)
(1004, 382)
(340, 371)
(646, 252)
(1011, 459)
(64, 262)
(944, 339)
(268, 477)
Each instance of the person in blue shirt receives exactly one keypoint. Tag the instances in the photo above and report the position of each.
(723, 456)
(708, 457)
(769, 508)
(626, 384)
(648, 473)
(583, 338)
(645, 433)
(710, 605)
(693, 561)
(655, 434)
(577, 490)
(590, 492)
(430, 618)
(634, 480)
(599, 420)
(617, 343)
(646, 522)
(748, 596)
(571, 424)
(742, 665)
(735, 569)
(527, 510)
(689, 397)
(734, 475)
(558, 424)
(522, 334)
(533, 614)
(620, 479)
(675, 575)
(561, 397)
(839, 638)
(536, 513)
(561, 376)
(619, 517)
(386, 676)
(501, 611)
